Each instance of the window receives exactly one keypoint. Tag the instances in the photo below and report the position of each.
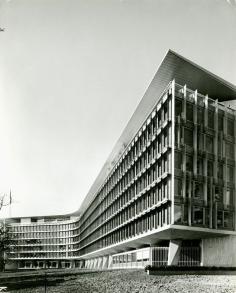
(220, 122)
(229, 150)
(209, 144)
(200, 115)
(178, 160)
(189, 163)
(165, 138)
(159, 118)
(228, 220)
(211, 119)
(199, 166)
(230, 174)
(189, 112)
(220, 171)
(219, 147)
(219, 219)
(199, 140)
(165, 111)
(176, 136)
(178, 187)
(197, 215)
(178, 214)
(230, 127)
(229, 197)
(178, 107)
(198, 191)
(209, 168)
(188, 137)
(219, 194)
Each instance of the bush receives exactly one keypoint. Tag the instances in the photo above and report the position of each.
(186, 268)
(147, 268)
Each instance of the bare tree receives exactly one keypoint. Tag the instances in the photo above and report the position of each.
(5, 239)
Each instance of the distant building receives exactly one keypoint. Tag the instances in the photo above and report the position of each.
(166, 194)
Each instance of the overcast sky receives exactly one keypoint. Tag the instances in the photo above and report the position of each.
(73, 72)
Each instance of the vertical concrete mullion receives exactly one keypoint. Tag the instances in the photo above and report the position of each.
(206, 111)
(205, 181)
(184, 102)
(234, 172)
(195, 135)
(190, 201)
(184, 173)
(211, 205)
(225, 180)
(216, 142)
(173, 148)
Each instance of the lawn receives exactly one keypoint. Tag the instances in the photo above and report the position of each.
(135, 282)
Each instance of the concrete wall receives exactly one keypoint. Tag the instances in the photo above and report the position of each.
(219, 251)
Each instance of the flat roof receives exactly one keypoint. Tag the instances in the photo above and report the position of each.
(184, 71)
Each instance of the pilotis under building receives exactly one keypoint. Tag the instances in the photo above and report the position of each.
(166, 194)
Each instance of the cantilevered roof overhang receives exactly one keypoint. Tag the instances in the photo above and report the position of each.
(173, 66)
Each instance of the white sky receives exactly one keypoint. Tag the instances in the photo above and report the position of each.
(73, 72)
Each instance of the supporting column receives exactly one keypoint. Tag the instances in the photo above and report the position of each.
(105, 262)
(174, 252)
(99, 263)
(109, 261)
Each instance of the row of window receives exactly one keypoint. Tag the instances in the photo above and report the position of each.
(135, 209)
(228, 174)
(206, 117)
(156, 120)
(204, 142)
(152, 220)
(201, 216)
(42, 228)
(44, 234)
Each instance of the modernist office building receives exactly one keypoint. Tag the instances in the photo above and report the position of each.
(166, 194)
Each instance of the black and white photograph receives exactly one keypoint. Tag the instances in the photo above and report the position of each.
(118, 146)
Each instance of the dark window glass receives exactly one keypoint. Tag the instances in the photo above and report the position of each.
(197, 215)
(219, 147)
(200, 115)
(200, 166)
(209, 144)
(229, 150)
(165, 112)
(230, 174)
(228, 220)
(219, 219)
(188, 137)
(189, 163)
(211, 119)
(229, 197)
(178, 214)
(219, 194)
(209, 168)
(198, 191)
(176, 136)
(230, 127)
(199, 140)
(178, 160)
(178, 187)
(220, 171)
(178, 107)
(189, 112)
(220, 122)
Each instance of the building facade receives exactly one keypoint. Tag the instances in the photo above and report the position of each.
(166, 195)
